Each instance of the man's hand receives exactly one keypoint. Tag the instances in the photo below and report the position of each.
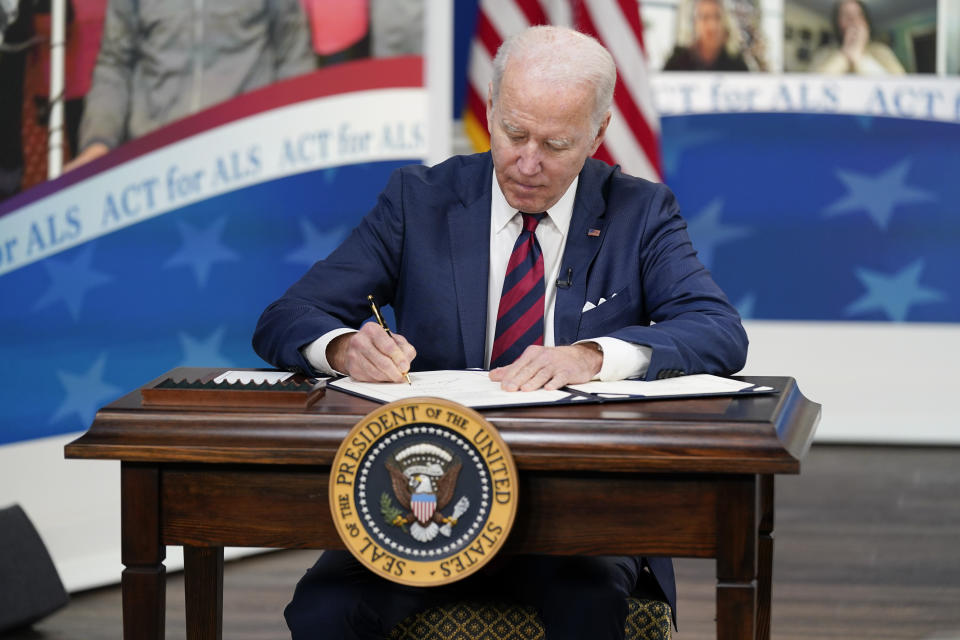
(550, 367)
(371, 354)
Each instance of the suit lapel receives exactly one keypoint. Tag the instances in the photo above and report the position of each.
(469, 225)
(584, 239)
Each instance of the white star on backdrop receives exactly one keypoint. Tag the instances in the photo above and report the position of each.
(316, 245)
(707, 232)
(86, 392)
(746, 305)
(683, 138)
(203, 352)
(877, 195)
(200, 249)
(893, 294)
(71, 281)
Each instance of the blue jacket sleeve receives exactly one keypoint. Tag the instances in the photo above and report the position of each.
(333, 293)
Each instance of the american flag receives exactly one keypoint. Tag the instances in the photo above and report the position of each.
(633, 137)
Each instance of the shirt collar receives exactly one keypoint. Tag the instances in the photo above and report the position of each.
(501, 213)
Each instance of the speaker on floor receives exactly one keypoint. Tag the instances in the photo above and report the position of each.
(30, 587)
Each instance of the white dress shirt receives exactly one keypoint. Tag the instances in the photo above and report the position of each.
(620, 359)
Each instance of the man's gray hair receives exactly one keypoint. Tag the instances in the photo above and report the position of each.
(563, 56)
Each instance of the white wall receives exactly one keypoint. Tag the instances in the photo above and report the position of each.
(877, 382)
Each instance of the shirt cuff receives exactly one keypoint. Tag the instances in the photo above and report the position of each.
(316, 351)
(621, 359)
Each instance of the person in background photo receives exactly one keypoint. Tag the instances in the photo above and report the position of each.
(711, 42)
(161, 60)
(856, 52)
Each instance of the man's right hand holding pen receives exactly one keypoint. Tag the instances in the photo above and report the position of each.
(371, 354)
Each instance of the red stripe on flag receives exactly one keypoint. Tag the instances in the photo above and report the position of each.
(631, 13)
(634, 118)
(487, 34)
(477, 106)
(638, 124)
(602, 153)
(533, 11)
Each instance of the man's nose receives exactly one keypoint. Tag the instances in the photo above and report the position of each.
(528, 162)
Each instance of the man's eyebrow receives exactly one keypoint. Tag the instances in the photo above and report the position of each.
(560, 142)
(511, 127)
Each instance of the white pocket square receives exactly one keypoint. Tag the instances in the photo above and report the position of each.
(589, 305)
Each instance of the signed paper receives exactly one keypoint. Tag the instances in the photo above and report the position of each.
(470, 388)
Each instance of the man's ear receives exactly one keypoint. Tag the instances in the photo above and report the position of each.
(490, 108)
(601, 133)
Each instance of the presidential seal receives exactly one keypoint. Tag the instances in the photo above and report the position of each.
(423, 491)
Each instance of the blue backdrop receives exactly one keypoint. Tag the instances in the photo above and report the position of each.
(823, 217)
(183, 289)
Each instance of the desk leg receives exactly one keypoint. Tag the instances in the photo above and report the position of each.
(737, 559)
(203, 591)
(765, 567)
(144, 577)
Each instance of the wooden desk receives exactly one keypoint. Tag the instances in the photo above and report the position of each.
(668, 477)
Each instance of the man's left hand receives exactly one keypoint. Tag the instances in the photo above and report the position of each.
(550, 367)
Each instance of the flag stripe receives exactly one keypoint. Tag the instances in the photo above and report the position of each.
(642, 135)
(620, 40)
(533, 12)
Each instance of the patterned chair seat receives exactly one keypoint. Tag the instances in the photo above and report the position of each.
(646, 620)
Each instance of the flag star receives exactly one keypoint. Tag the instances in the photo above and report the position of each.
(203, 352)
(316, 245)
(893, 294)
(877, 195)
(679, 137)
(86, 392)
(70, 281)
(200, 249)
(865, 122)
(707, 232)
(746, 305)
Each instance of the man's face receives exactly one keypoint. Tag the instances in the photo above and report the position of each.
(540, 136)
(708, 28)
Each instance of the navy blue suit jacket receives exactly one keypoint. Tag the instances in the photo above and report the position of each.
(424, 249)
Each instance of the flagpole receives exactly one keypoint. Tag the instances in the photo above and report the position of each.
(58, 21)
(438, 78)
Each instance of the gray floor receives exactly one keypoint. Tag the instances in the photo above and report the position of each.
(867, 546)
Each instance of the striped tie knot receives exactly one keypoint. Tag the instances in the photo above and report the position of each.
(531, 220)
(520, 314)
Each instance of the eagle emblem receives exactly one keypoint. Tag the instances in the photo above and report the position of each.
(424, 479)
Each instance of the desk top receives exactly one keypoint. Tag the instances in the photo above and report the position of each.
(752, 434)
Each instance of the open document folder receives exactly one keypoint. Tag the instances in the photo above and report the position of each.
(473, 388)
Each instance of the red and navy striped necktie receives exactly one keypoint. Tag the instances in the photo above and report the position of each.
(520, 316)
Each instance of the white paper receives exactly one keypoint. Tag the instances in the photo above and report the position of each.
(695, 385)
(258, 377)
(470, 388)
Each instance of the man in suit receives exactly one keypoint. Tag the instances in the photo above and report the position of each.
(621, 294)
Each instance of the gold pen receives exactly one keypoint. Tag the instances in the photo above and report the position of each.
(380, 321)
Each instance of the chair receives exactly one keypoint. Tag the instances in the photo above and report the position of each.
(646, 620)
